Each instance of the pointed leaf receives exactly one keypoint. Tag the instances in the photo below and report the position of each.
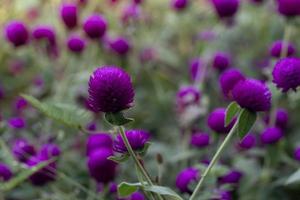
(125, 189)
(143, 151)
(245, 122)
(231, 111)
(164, 191)
(117, 119)
(294, 178)
(119, 159)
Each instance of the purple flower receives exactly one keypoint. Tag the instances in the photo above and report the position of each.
(187, 95)
(49, 151)
(22, 150)
(277, 48)
(221, 60)
(253, 95)
(196, 66)
(185, 178)
(226, 8)
(148, 54)
(222, 195)
(68, 14)
(137, 140)
(98, 140)
(138, 1)
(120, 45)
(179, 4)
(137, 196)
(5, 172)
(281, 119)
(131, 12)
(17, 122)
(100, 168)
(289, 8)
(95, 26)
(271, 135)
(297, 153)
(110, 90)
(20, 104)
(232, 177)
(75, 44)
(200, 140)
(16, 33)
(228, 80)
(286, 74)
(247, 142)
(44, 32)
(216, 121)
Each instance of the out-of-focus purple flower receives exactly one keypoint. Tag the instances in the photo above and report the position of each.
(232, 177)
(98, 140)
(131, 12)
(185, 178)
(286, 74)
(95, 26)
(49, 151)
(187, 95)
(221, 61)
(137, 140)
(216, 121)
(137, 1)
(228, 80)
(148, 54)
(5, 172)
(179, 4)
(253, 95)
(271, 135)
(281, 119)
(68, 14)
(195, 68)
(113, 188)
(23, 150)
(137, 196)
(277, 49)
(247, 142)
(92, 126)
(200, 140)
(75, 44)
(16, 33)
(222, 195)
(207, 35)
(17, 122)
(289, 8)
(297, 153)
(226, 8)
(46, 33)
(100, 168)
(20, 104)
(120, 45)
(110, 90)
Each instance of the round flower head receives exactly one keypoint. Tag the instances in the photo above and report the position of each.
(277, 48)
(130, 13)
(49, 151)
(187, 95)
(281, 119)
(44, 32)
(68, 14)
(232, 177)
(95, 26)
(20, 104)
(5, 172)
(286, 74)
(221, 61)
(120, 45)
(226, 8)
(137, 140)
(17, 122)
(222, 195)
(16, 33)
(179, 4)
(75, 44)
(297, 153)
(100, 168)
(200, 140)
(110, 90)
(195, 69)
(98, 140)
(185, 178)
(288, 8)
(22, 150)
(247, 142)
(228, 80)
(216, 121)
(271, 135)
(137, 196)
(253, 95)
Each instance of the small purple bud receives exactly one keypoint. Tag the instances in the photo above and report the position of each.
(22, 150)
(228, 80)
(49, 151)
(277, 48)
(187, 95)
(271, 135)
(75, 44)
(98, 140)
(221, 61)
(179, 5)
(281, 119)
(216, 121)
(247, 142)
(226, 8)
(5, 172)
(17, 122)
(200, 140)
(21, 104)
(95, 26)
(16, 33)
(68, 14)
(222, 195)
(137, 196)
(232, 177)
(195, 67)
(185, 178)
(120, 46)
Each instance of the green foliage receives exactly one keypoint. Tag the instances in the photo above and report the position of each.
(232, 110)
(245, 122)
(117, 119)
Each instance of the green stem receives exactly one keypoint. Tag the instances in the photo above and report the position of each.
(214, 161)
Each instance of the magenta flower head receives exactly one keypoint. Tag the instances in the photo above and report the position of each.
(16, 33)
(228, 80)
(68, 14)
(5, 172)
(100, 168)
(277, 48)
(120, 46)
(185, 178)
(23, 150)
(200, 140)
(137, 196)
(17, 122)
(98, 140)
(49, 151)
(288, 8)
(110, 90)
(226, 8)
(297, 154)
(137, 140)
(179, 4)
(247, 142)
(221, 60)
(187, 95)
(271, 135)
(232, 177)
(95, 26)
(196, 66)
(286, 74)
(216, 121)
(75, 44)
(222, 195)
(137, 1)
(46, 33)
(253, 95)
(20, 104)
(281, 119)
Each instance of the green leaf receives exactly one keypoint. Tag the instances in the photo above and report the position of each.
(68, 115)
(143, 151)
(164, 191)
(119, 159)
(125, 189)
(294, 178)
(245, 122)
(117, 119)
(231, 111)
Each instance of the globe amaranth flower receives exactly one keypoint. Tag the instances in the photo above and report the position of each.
(222, 195)
(95, 26)
(137, 196)
(185, 178)
(20, 104)
(286, 74)
(46, 33)
(110, 90)
(120, 45)
(75, 44)
(277, 49)
(16, 33)
(216, 121)
(68, 14)
(17, 122)
(187, 95)
(200, 140)
(247, 142)
(226, 8)
(221, 61)
(179, 4)
(100, 168)
(288, 8)
(271, 135)
(281, 118)
(195, 68)
(252, 94)
(228, 80)
(50, 151)
(98, 140)
(5, 172)
(297, 153)
(23, 150)
(137, 140)
(232, 177)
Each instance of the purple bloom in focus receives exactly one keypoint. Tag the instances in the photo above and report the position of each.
(195, 67)
(16, 33)
(289, 8)
(228, 80)
(95, 26)
(75, 44)
(297, 153)
(247, 142)
(200, 140)
(137, 196)
(17, 122)
(286, 74)
(226, 8)
(5, 172)
(120, 45)
(185, 178)
(186, 96)
(216, 121)
(232, 177)
(98, 140)
(23, 150)
(179, 4)
(68, 14)
(110, 90)
(253, 95)
(137, 140)
(271, 135)
(221, 61)
(277, 48)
